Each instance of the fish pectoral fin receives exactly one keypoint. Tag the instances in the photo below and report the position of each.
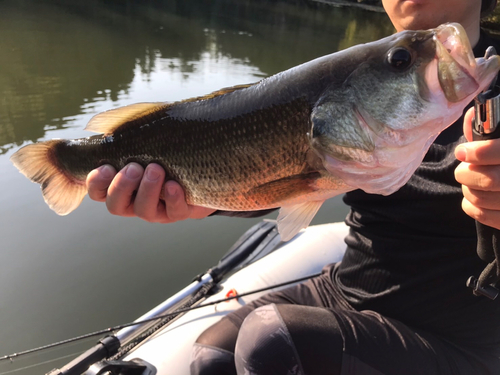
(274, 192)
(292, 219)
(107, 122)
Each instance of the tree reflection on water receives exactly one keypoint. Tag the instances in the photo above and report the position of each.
(59, 57)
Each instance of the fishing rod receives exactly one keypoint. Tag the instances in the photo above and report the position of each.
(13, 356)
(256, 242)
(79, 365)
(486, 125)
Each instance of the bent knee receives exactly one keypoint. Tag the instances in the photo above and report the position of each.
(264, 345)
(289, 339)
(210, 360)
(213, 351)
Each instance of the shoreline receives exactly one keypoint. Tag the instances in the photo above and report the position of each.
(491, 23)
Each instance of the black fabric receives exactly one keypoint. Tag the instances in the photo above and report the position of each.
(264, 345)
(317, 337)
(210, 360)
(331, 337)
(223, 335)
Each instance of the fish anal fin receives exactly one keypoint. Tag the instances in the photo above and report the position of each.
(293, 218)
(107, 122)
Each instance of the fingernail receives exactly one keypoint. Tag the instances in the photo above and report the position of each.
(461, 153)
(133, 171)
(152, 174)
(105, 171)
(171, 189)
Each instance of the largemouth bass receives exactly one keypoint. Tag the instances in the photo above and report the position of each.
(359, 118)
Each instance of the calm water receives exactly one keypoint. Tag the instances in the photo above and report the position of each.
(61, 62)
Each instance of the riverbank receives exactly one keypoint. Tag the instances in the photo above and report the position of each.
(372, 5)
(492, 23)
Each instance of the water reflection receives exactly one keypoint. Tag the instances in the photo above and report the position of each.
(62, 62)
(85, 52)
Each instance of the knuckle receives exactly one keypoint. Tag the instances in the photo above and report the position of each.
(479, 200)
(481, 153)
(178, 211)
(144, 214)
(175, 216)
(98, 196)
(154, 173)
(122, 185)
(495, 178)
(475, 200)
(484, 199)
(488, 181)
(97, 191)
(469, 208)
(122, 206)
(477, 213)
(150, 188)
(461, 172)
(475, 197)
(483, 216)
(113, 210)
(147, 218)
(487, 151)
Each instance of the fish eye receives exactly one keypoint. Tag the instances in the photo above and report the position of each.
(399, 58)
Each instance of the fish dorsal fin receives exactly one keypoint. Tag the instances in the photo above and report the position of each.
(223, 91)
(107, 122)
(292, 219)
(227, 90)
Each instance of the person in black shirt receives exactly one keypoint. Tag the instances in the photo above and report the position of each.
(397, 303)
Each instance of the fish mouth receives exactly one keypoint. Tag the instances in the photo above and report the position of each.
(459, 73)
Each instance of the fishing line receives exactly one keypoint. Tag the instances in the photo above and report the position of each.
(11, 357)
(40, 363)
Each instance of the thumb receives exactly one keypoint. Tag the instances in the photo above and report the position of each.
(469, 115)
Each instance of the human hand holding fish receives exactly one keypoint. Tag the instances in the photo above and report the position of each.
(362, 118)
(135, 191)
(479, 174)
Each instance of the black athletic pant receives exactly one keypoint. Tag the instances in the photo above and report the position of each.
(307, 330)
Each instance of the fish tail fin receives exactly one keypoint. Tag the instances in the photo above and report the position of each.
(62, 192)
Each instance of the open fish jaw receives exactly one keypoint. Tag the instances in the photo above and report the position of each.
(453, 38)
(459, 73)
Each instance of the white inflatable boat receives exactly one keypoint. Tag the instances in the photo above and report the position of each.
(160, 341)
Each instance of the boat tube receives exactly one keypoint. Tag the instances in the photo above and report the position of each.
(160, 341)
